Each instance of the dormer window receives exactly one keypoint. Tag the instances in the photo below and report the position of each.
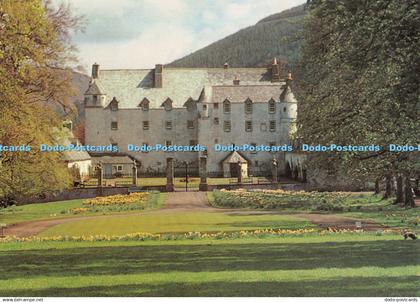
(167, 104)
(226, 106)
(114, 104)
(144, 104)
(248, 106)
(271, 106)
(95, 98)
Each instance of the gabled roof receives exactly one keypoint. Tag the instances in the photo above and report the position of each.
(234, 157)
(94, 88)
(130, 86)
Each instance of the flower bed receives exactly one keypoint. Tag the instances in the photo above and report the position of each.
(295, 200)
(261, 233)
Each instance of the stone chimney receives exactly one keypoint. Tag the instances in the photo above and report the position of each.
(158, 76)
(275, 71)
(236, 81)
(226, 65)
(95, 71)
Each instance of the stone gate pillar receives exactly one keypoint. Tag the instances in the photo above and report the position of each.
(100, 175)
(169, 174)
(240, 172)
(203, 174)
(134, 176)
(274, 169)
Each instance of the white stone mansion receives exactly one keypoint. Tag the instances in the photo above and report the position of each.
(189, 106)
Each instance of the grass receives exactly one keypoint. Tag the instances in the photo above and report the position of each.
(59, 209)
(363, 205)
(345, 265)
(180, 222)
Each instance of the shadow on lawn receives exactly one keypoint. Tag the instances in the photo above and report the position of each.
(348, 286)
(201, 258)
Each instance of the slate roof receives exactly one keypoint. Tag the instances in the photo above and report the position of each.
(112, 160)
(131, 86)
(73, 156)
(94, 88)
(256, 93)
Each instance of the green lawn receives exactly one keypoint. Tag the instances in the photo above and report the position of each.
(59, 209)
(331, 265)
(176, 222)
(363, 205)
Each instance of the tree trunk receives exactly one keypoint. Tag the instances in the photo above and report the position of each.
(388, 187)
(377, 189)
(409, 198)
(400, 192)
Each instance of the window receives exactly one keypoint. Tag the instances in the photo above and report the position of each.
(272, 126)
(284, 109)
(114, 104)
(168, 125)
(227, 126)
(114, 125)
(272, 106)
(146, 125)
(256, 163)
(168, 143)
(216, 121)
(204, 107)
(190, 124)
(168, 104)
(253, 148)
(248, 106)
(248, 126)
(95, 99)
(86, 99)
(145, 105)
(226, 106)
(216, 106)
(119, 168)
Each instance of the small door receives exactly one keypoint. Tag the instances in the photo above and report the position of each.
(107, 171)
(234, 170)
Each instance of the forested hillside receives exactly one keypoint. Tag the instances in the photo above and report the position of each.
(273, 36)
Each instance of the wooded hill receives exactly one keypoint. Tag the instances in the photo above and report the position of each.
(273, 36)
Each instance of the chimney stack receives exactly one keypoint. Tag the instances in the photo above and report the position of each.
(95, 71)
(226, 65)
(158, 80)
(236, 81)
(275, 71)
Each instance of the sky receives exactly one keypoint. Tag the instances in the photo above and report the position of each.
(141, 33)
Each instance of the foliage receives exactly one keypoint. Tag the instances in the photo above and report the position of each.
(296, 200)
(34, 50)
(274, 36)
(359, 85)
(260, 233)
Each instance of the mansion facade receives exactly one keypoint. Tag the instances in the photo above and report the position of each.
(192, 106)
